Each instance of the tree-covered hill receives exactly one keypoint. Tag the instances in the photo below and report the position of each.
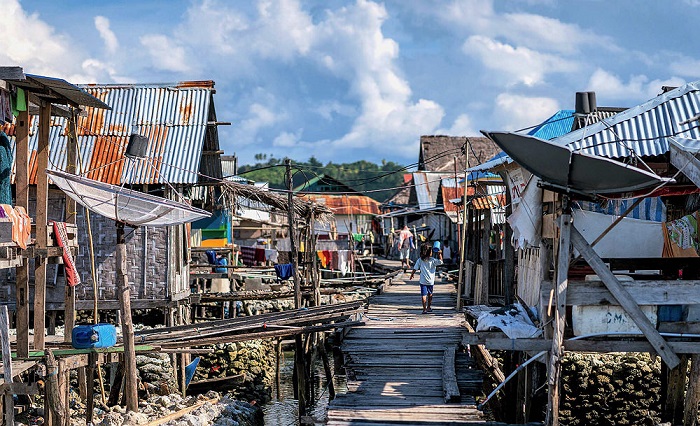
(360, 175)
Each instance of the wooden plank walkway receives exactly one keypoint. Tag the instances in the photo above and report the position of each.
(395, 362)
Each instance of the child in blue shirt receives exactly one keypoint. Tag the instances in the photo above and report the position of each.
(427, 265)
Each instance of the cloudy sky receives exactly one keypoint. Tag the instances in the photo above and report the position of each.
(351, 80)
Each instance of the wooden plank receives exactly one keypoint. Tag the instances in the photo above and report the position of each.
(449, 376)
(41, 242)
(625, 300)
(70, 217)
(557, 350)
(604, 346)
(642, 292)
(22, 200)
(8, 401)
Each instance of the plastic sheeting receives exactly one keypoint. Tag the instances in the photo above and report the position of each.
(513, 320)
(125, 205)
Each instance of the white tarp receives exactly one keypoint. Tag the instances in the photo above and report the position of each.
(631, 238)
(512, 320)
(526, 220)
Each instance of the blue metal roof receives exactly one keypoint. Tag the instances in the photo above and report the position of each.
(643, 130)
(559, 124)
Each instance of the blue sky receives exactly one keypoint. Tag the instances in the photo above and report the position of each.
(362, 80)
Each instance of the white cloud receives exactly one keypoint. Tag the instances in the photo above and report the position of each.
(258, 117)
(165, 53)
(638, 88)
(685, 66)
(516, 64)
(462, 126)
(287, 140)
(34, 45)
(516, 111)
(108, 36)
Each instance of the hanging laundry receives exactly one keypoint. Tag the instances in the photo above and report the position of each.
(19, 101)
(248, 256)
(343, 261)
(323, 258)
(334, 260)
(271, 255)
(284, 271)
(60, 232)
(284, 256)
(21, 224)
(5, 169)
(259, 255)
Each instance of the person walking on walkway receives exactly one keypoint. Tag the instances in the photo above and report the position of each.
(427, 265)
(405, 247)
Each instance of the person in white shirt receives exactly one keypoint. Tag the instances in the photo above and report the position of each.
(427, 265)
(405, 247)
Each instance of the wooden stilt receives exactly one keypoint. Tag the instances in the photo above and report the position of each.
(557, 351)
(278, 369)
(42, 201)
(327, 370)
(22, 200)
(90, 387)
(300, 373)
(70, 217)
(8, 402)
(116, 386)
(130, 372)
(673, 391)
(690, 414)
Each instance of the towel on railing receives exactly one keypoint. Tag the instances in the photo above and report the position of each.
(60, 232)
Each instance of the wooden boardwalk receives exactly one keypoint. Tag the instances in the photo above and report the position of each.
(395, 363)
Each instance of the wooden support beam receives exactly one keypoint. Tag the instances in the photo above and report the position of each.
(22, 200)
(41, 242)
(70, 217)
(642, 292)
(557, 349)
(599, 346)
(8, 402)
(625, 299)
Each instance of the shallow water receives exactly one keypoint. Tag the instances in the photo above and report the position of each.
(284, 411)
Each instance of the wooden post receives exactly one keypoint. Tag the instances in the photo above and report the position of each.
(485, 257)
(8, 404)
(130, 372)
(278, 369)
(90, 387)
(625, 300)
(22, 200)
(461, 285)
(292, 234)
(299, 367)
(557, 351)
(327, 369)
(673, 391)
(692, 397)
(42, 201)
(70, 217)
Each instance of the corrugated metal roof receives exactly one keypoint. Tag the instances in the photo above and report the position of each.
(174, 117)
(643, 130)
(347, 204)
(427, 186)
(559, 124)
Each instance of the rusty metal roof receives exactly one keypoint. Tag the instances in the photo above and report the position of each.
(174, 117)
(346, 204)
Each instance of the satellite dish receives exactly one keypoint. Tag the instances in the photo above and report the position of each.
(566, 170)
